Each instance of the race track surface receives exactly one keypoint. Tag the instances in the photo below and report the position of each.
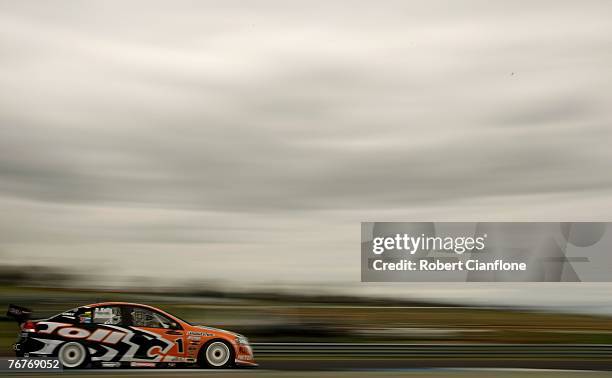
(312, 368)
(430, 373)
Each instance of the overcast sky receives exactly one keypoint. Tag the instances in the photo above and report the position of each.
(245, 142)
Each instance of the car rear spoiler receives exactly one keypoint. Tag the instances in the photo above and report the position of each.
(20, 314)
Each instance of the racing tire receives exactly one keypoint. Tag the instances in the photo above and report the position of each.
(217, 354)
(73, 355)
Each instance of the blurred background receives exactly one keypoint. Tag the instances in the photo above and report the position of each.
(216, 159)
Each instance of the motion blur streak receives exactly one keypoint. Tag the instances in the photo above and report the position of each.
(324, 332)
(254, 139)
(214, 159)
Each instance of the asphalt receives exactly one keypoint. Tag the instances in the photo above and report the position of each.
(387, 373)
(291, 367)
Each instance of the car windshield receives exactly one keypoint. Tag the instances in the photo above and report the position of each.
(146, 317)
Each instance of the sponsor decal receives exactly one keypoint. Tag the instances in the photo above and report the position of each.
(194, 333)
(121, 344)
(73, 333)
(142, 364)
(99, 335)
(51, 326)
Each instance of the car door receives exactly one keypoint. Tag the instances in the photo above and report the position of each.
(106, 330)
(166, 338)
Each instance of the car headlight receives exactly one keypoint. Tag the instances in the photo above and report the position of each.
(242, 340)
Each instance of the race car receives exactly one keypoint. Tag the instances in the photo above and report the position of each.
(119, 334)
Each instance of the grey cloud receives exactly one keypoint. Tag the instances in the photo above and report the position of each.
(279, 111)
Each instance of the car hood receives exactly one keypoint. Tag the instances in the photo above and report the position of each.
(219, 330)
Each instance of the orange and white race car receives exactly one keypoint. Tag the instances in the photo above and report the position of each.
(114, 334)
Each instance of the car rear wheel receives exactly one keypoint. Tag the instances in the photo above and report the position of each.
(73, 355)
(218, 354)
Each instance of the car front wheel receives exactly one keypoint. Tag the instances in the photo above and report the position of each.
(217, 354)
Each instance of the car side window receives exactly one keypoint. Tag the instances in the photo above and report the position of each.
(143, 317)
(110, 315)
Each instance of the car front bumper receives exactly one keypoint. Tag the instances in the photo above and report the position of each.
(244, 356)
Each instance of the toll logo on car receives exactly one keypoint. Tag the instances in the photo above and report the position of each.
(150, 346)
(67, 330)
